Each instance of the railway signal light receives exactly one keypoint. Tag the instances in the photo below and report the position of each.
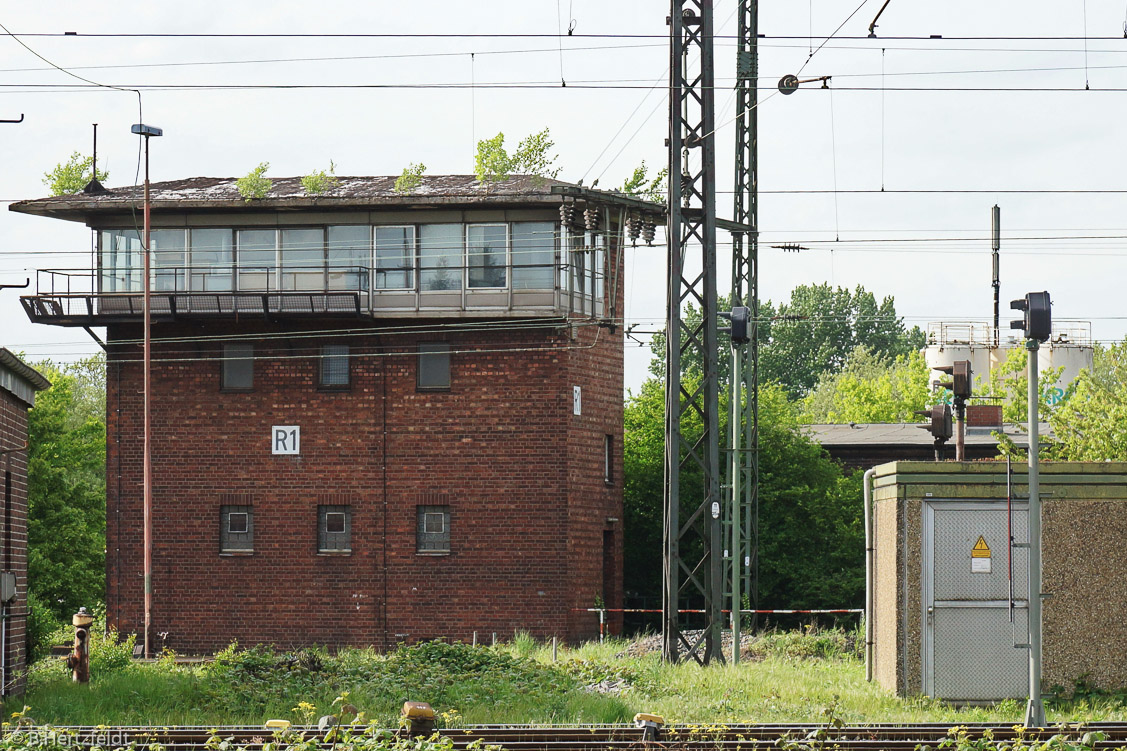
(1038, 320)
(740, 318)
(960, 383)
(939, 425)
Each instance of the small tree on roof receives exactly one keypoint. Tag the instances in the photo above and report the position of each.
(493, 163)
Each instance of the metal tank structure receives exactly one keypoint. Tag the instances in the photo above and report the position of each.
(1069, 348)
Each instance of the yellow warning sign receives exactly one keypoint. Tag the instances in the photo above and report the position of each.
(980, 549)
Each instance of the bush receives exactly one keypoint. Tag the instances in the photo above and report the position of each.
(255, 184)
(43, 628)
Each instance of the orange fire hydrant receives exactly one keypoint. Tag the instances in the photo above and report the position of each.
(79, 659)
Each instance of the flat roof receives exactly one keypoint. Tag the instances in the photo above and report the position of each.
(911, 434)
(287, 193)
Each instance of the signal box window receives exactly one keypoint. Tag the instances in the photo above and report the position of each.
(434, 366)
(236, 529)
(238, 366)
(334, 529)
(433, 529)
(334, 366)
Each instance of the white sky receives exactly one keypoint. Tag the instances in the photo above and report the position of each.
(904, 140)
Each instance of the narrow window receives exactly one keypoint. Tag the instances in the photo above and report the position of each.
(257, 255)
(434, 366)
(432, 533)
(440, 257)
(169, 270)
(238, 366)
(608, 459)
(534, 255)
(334, 366)
(349, 250)
(236, 529)
(212, 257)
(395, 257)
(487, 255)
(334, 529)
(302, 255)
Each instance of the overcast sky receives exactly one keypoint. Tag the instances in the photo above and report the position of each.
(904, 112)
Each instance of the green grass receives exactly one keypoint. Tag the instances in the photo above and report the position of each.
(792, 678)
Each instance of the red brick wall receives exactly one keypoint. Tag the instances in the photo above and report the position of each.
(523, 478)
(13, 470)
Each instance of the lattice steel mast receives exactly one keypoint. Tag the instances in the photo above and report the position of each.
(694, 575)
(742, 572)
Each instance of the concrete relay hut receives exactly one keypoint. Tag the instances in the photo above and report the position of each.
(941, 614)
(378, 416)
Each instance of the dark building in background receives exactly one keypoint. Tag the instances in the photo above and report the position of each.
(865, 445)
(18, 384)
(377, 417)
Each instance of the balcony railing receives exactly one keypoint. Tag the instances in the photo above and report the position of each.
(85, 297)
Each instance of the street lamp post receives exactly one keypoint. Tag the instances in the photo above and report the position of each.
(146, 132)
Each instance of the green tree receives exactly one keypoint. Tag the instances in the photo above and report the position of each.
(815, 332)
(493, 163)
(1091, 425)
(641, 185)
(812, 334)
(870, 388)
(807, 504)
(411, 178)
(67, 488)
(255, 184)
(72, 175)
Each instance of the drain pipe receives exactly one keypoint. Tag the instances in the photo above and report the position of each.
(867, 482)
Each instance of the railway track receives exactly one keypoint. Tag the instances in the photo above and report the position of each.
(700, 737)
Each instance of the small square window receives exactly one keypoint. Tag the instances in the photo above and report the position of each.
(434, 523)
(238, 522)
(236, 529)
(238, 366)
(334, 529)
(334, 366)
(434, 366)
(433, 529)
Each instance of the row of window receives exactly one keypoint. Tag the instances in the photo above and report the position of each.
(334, 529)
(335, 371)
(425, 257)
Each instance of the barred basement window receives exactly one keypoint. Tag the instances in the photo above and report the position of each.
(334, 529)
(434, 366)
(238, 366)
(236, 529)
(433, 530)
(334, 366)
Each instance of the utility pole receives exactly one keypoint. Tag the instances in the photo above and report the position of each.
(696, 583)
(996, 245)
(1037, 327)
(146, 132)
(743, 386)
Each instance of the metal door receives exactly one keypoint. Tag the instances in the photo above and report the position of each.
(971, 648)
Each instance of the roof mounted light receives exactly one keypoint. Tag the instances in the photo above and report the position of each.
(146, 130)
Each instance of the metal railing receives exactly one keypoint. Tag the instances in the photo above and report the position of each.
(571, 288)
(981, 334)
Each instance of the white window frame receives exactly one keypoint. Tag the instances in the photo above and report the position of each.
(414, 250)
(508, 265)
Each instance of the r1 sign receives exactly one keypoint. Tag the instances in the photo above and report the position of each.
(285, 439)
